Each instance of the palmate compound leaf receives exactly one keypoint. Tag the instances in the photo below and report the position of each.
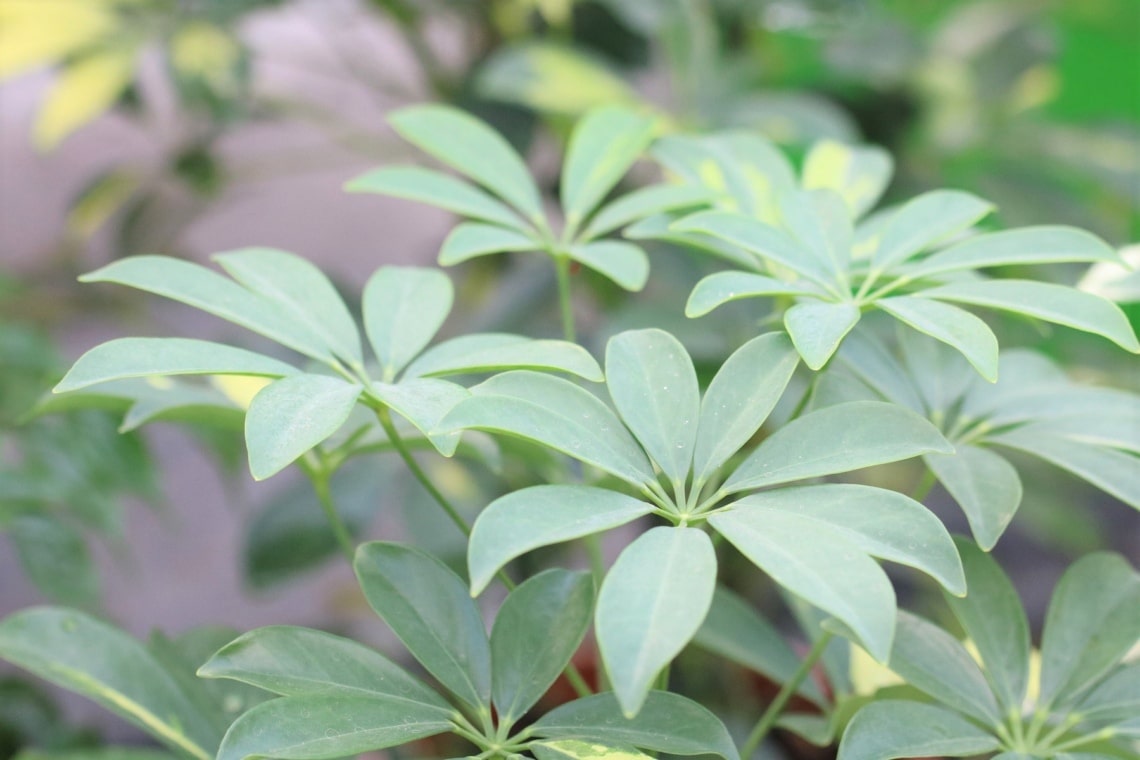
(650, 605)
(666, 723)
(427, 606)
(107, 666)
(812, 249)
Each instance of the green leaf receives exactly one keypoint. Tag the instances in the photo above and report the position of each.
(1029, 245)
(624, 263)
(404, 307)
(740, 398)
(819, 563)
(955, 327)
(883, 523)
(769, 243)
(819, 220)
(746, 170)
(1043, 300)
(603, 146)
(209, 291)
(551, 78)
(866, 356)
(470, 146)
(424, 402)
(654, 387)
(817, 329)
(302, 290)
(540, 516)
(324, 727)
(735, 631)
(858, 174)
(55, 558)
(1093, 620)
(299, 662)
(574, 749)
(473, 239)
(437, 189)
(536, 632)
(925, 221)
(1112, 471)
(666, 723)
(1117, 697)
(652, 601)
(993, 617)
(495, 352)
(724, 287)
(557, 414)
(896, 728)
(426, 605)
(291, 416)
(641, 203)
(93, 659)
(984, 484)
(934, 662)
(143, 357)
(837, 439)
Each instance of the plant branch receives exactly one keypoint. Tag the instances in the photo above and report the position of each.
(385, 418)
(319, 477)
(565, 304)
(772, 714)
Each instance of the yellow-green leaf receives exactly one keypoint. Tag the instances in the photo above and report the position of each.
(83, 92)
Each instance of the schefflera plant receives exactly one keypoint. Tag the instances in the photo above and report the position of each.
(288, 300)
(1034, 409)
(338, 698)
(669, 447)
(810, 243)
(1078, 699)
(504, 210)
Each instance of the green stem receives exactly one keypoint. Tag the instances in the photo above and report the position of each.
(565, 305)
(1102, 735)
(385, 418)
(772, 714)
(319, 476)
(922, 490)
(1059, 730)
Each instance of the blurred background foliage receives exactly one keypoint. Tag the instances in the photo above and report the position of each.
(1032, 104)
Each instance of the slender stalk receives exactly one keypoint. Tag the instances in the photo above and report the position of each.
(1059, 730)
(385, 418)
(319, 477)
(772, 714)
(1102, 735)
(922, 490)
(565, 305)
(572, 674)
